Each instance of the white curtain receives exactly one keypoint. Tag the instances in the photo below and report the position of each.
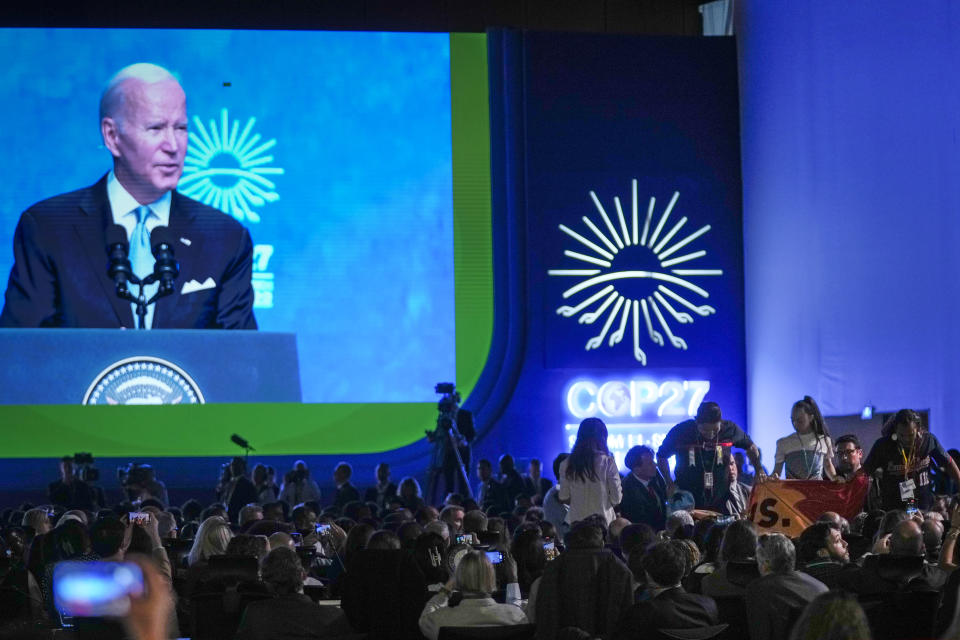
(717, 18)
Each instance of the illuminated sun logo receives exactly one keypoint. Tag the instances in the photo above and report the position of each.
(224, 168)
(629, 254)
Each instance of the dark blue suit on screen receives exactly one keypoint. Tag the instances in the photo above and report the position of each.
(59, 277)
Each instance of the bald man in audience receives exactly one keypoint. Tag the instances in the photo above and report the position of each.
(900, 565)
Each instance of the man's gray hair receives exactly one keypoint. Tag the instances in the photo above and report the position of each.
(439, 527)
(678, 519)
(114, 95)
(776, 552)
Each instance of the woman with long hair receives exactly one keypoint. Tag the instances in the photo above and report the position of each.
(409, 494)
(590, 481)
(212, 539)
(807, 453)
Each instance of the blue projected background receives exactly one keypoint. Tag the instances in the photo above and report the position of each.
(347, 187)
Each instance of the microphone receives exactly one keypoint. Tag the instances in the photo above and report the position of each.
(240, 442)
(165, 268)
(118, 266)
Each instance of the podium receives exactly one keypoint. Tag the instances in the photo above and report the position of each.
(163, 366)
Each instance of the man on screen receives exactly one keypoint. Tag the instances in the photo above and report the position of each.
(59, 277)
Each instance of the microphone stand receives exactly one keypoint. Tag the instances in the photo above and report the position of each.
(165, 271)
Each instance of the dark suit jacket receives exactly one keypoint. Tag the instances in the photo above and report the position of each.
(372, 495)
(671, 609)
(536, 489)
(290, 616)
(888, 573)
(346, 493)
(775, 602)
(638, 505)
(59, 277)
(76, 495)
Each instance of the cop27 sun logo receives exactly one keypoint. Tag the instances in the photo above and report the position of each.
(639, 274)
(226, 167)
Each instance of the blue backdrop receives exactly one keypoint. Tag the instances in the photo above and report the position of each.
(617, 206)
(851, 196)
(334, 149)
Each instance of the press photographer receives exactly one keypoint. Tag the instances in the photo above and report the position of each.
(71, 490)
(139, 482)
(451, 439)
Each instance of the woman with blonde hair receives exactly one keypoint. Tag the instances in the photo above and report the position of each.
(212, 539)
(476, 580)
(38, 519)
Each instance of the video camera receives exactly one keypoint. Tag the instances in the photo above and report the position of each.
(83, 461)
(134, 474)
(448, 405)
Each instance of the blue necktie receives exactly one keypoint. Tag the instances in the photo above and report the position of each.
(141, 258)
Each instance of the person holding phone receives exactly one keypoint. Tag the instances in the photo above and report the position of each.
(476, 580)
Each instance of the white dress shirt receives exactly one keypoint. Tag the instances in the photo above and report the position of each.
(124, 207)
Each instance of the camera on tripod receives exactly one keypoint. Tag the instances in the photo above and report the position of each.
(83, 461)
(448, 405)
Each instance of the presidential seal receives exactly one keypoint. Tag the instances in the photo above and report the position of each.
(143, 380)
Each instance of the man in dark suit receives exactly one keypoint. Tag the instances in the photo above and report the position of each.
(488, 492)
(776, 600)
(385, 490)
(644, 492)
(669, 606)
(511, 482)
(346, 492)
(291, 614)
(59, 277)
(70, 491)
(901, 568)
(535, 485)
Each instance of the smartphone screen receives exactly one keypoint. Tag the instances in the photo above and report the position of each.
(99, 589)
(549, 546)
(139, 517)
(462, 538)
(495, 557)
(297, 539)
(323, 528)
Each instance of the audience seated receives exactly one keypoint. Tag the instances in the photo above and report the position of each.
(290, 614)
(474, 522)
(738, 566)
(776, 600)
(453, 516)
(248, 545)
(386, 561)
(212, 538)
(475, 580)
(531, 558)
(834, 615)
(899, 565)
(668, 606)
(586, 587)
(249, 515)
(822, 552)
